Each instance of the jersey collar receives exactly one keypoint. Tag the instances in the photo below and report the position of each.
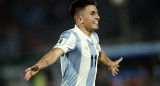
(84, 35)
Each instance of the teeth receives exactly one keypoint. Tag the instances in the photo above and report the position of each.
(96, 22)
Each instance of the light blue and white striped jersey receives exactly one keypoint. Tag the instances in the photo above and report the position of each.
(79, 63)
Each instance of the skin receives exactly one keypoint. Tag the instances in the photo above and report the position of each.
(49, 59)
(85, 20)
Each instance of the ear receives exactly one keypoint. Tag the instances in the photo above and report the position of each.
(79, 19)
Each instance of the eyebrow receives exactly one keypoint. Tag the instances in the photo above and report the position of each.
(94, 11)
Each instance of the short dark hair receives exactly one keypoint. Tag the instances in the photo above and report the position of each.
(80, 4)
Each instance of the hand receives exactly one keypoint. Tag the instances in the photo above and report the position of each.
(114, 68)
(30, 72)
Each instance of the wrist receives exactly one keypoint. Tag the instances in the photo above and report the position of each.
(36, 67)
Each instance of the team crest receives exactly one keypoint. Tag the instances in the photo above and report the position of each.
(86, 48)
(97, 47)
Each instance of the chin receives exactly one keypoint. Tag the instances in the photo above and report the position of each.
(93, 28)
(96, 28)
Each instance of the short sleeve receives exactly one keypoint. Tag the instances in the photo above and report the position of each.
(66, 42)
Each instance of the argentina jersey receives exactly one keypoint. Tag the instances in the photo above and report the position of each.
(79, 63)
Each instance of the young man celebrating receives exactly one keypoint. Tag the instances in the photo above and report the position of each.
(78, 49)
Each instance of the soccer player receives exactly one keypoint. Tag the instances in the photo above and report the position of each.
(78, 49)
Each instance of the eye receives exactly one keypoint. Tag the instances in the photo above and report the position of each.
(92, 13)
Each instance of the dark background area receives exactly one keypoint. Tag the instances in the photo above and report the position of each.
(128, 28)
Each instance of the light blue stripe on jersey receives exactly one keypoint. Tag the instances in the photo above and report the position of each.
(71, 64)
(66, 36)
(92, 71)
(96, 36)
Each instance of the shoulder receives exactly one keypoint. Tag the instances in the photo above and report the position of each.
(66, 37)
(67, 34)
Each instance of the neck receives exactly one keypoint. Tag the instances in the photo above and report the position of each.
(84, 30)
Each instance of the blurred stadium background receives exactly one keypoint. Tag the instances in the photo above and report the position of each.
(128, 28)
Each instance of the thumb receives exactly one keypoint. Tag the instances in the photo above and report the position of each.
(118, 61)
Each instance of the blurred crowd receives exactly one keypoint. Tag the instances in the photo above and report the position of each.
(26, 25)
(30, 28)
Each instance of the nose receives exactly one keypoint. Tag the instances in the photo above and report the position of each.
(97, 17)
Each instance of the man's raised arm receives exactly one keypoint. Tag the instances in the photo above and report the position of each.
(112, 65)
(50, 58)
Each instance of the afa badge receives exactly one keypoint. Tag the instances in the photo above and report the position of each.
(97, 47)
(86, 48)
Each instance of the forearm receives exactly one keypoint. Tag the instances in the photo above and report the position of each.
(103, 59)
(50, 58)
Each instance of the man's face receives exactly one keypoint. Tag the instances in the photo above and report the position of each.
(90, 18)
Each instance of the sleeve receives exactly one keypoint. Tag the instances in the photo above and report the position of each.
(97, 38)
(66, 42)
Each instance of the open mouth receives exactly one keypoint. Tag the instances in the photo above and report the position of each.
(95, 22)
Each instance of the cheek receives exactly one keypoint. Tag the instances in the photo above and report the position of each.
(88, 22)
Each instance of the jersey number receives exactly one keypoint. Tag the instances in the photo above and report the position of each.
(92, 60)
